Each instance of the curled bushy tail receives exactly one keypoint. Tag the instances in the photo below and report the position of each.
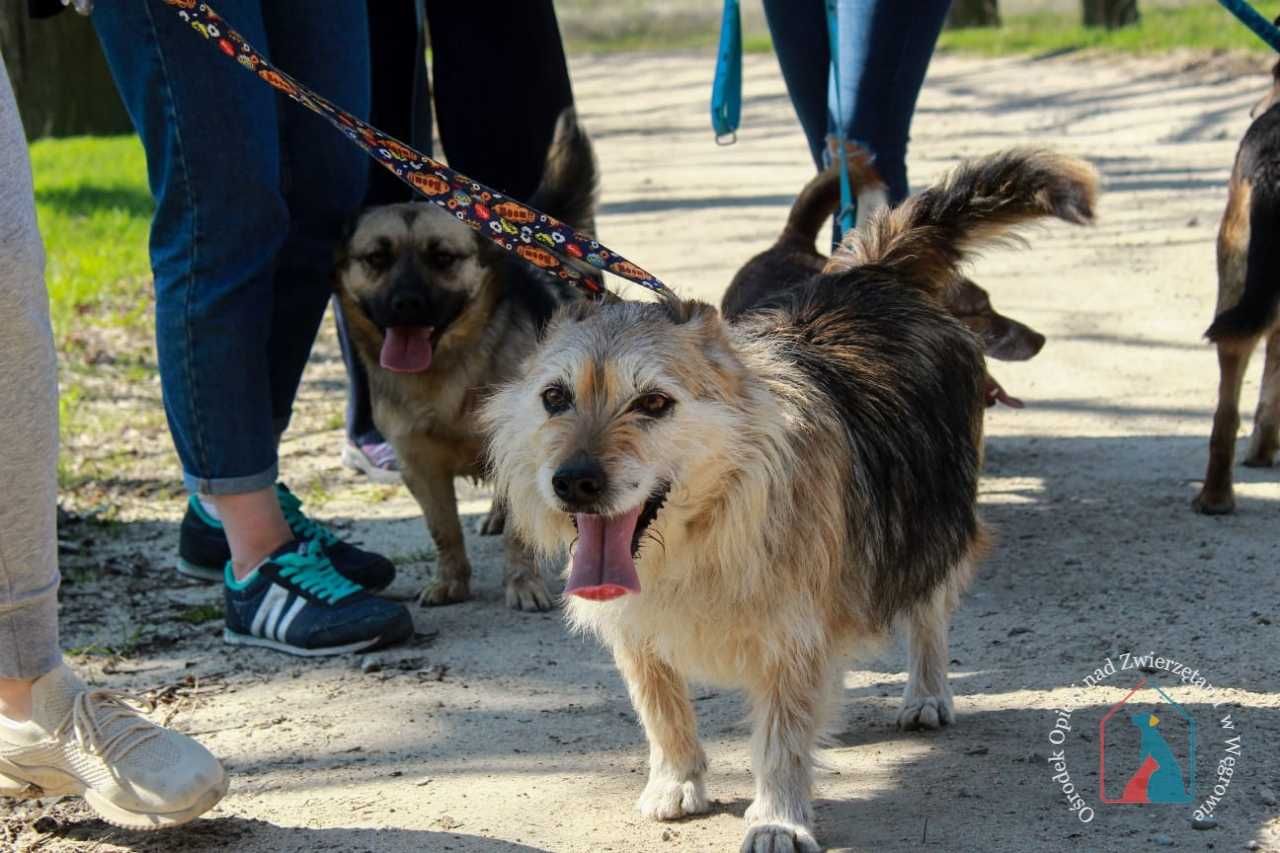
(568, 187)
(979, 203)
(1256, 310)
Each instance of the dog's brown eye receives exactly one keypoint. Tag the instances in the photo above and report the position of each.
(442, 260)
(654, 405)
(377, 261)
(556, 399)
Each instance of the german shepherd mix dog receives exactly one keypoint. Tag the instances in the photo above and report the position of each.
(439, 315)
(1248, 292)
(794, 258)
(754, 502)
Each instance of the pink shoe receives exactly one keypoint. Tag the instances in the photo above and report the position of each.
(376, 461)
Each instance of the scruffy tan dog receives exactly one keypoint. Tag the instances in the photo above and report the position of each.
(753, 503)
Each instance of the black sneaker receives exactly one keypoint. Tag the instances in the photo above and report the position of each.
(203, 552)
(296, 602)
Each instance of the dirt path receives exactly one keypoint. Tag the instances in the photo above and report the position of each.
(496, 731)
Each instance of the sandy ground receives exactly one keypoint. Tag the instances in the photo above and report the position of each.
(497, 731)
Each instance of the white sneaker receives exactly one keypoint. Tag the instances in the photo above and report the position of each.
(133, 773)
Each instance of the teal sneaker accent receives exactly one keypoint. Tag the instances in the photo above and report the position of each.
(203, 551)
(312, 572)
(229, 578)
(203, 514)
(302, 526)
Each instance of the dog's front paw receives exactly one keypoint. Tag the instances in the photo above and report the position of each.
(780, 838)
(669, 799)
(441, 591)
(1214, 502)
(1260, 459)
(528, 593)
(925, 712)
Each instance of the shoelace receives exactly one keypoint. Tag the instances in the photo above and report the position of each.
(93, 714)
(311, 570)
(303, 527)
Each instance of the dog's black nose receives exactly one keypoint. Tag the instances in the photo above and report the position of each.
(580, 482)
(408, 304)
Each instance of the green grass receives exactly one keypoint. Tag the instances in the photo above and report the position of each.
(1198, 26)
(95, 211)
(200, 614)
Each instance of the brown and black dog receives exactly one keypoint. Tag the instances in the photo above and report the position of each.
(1248, 292)
(753, 503)
(439, 315)
(794, 258)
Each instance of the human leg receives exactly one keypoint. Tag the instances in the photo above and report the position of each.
(211, 136)
(800, 40)
(232, 340)
(29, 400)
(44, 707)
(527, 37)
(324, 177)
(885, 48)
(400, 106)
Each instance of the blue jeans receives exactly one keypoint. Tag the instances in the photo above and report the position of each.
(884, 46)
(252, 193)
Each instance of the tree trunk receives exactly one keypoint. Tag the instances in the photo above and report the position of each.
(1111, 14)
(59, 76)
(973, 13)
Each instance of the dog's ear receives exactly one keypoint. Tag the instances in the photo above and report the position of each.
(681, 311)
(725, 372)
(342, 248)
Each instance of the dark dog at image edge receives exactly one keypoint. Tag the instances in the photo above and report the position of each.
(752, 504)
(1248, 293)
(438, 315)
(794, 258)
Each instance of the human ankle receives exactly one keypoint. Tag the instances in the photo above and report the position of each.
(255, 528)
(15, 699)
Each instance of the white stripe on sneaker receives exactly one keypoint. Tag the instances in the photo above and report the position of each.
(269, 610)
(233, 638)
(294, 610)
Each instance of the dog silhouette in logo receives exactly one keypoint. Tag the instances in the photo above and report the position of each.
(1158, 778)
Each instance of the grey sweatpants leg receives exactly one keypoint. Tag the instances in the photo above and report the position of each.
(28, 421)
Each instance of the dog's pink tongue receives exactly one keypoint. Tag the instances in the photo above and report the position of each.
(406, 349)
(602, 566)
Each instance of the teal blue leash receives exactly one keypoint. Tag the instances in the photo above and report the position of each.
(1253, 19)
(726, 91)
(848, 204)
(726, 96)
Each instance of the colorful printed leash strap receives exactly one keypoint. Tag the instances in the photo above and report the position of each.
(1253, 19)
(537, 237)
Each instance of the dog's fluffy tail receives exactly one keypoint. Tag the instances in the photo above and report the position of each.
(569, 178)
(1256, 310)
(820, 199)
(980, 203)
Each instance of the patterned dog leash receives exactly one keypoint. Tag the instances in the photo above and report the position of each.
(537, 237)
